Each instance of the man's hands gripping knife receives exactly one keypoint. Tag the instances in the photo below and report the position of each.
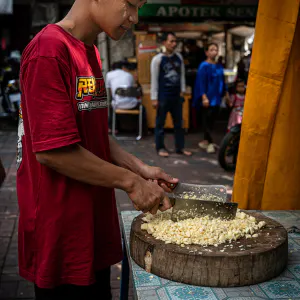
(146, 194)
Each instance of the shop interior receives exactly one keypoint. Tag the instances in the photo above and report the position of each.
(235, 43)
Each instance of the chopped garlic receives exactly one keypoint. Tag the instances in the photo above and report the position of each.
(144, 226)
(201, 231)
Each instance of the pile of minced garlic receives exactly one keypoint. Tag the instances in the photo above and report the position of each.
(203, 231)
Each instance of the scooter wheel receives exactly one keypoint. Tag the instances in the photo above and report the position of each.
(229, 148)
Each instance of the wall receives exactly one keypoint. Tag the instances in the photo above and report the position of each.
(121, 49)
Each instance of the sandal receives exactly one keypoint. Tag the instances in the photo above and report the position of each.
(163, 153)
(184, 152)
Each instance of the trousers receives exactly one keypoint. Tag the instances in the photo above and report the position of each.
(174, 106)
(99, 290)
(209, 115)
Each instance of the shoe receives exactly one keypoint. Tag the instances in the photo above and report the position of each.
(203, 145)
(210, 149)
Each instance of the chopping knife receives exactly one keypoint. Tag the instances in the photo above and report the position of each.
(192, 200)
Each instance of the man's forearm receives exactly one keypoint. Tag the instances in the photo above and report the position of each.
(80, 164)
(124, 159)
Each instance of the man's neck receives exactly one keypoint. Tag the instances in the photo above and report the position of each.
(211, 61)
(78, 23)
(169, 53)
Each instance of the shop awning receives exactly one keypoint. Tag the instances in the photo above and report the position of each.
(200, 10)
(6, 6)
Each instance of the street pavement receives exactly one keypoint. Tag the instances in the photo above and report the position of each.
(201, 168)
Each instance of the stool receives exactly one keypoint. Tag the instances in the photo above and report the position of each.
(128, 112)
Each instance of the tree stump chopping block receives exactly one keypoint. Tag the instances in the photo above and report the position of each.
(242, 262)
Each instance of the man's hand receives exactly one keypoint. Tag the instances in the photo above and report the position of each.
(154, 104)
(155, 173)
(148, 196)
(227, 98)
(205, 102)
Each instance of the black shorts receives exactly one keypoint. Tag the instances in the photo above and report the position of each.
(99, 290)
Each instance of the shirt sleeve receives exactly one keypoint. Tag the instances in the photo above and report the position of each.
(107, 81)
(200, 84)
(47, 104)
(202, 80)
(182, 79)
(225, 87)
(155, 76)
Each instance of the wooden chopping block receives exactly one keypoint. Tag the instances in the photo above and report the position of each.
(264, 257)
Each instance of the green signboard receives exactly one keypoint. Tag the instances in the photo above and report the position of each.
(197, 11)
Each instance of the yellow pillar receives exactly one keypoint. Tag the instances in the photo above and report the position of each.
(268, 167)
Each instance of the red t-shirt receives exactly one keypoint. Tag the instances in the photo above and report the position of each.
(67, 229)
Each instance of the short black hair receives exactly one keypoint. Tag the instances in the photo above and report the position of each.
(124, 64)
(239, 80)
(191, 42)
(117, 65)
(209, 45)
(165, 35)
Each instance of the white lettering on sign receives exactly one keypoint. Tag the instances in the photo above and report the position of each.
(161, 12)
(215, 12)
(184, 12)
(205, 12)
(241, 12)
(195, 11)
(231, 11)
(173, 10)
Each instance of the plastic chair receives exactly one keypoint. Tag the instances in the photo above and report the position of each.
(128, 92)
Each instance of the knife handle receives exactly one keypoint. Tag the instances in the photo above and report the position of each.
(170, 185)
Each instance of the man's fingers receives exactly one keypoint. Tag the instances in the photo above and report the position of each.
(165, 188)
(163, 175)
(165, 205)
(154, 209)
(136, 207)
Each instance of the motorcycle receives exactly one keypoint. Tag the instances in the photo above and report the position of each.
(229, 147)
(12, 96)
(10, 91)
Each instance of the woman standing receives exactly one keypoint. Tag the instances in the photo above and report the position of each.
(210, 87)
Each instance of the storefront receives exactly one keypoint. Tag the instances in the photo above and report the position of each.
(198, 10)
(15, 25)
(229, 23)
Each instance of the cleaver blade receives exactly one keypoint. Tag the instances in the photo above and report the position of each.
(188, 208)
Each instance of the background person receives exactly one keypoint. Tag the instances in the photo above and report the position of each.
(210, 87)
(121, 77)
(167, 88)
(237, 101)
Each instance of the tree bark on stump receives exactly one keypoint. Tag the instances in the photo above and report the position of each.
(264, 257)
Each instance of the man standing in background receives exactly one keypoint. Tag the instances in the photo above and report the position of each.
(167, 88)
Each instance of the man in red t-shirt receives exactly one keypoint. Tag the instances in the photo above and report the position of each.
(69, 234)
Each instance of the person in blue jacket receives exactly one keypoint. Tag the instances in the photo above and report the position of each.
(210, 87)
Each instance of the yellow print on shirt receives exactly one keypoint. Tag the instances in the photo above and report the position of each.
(90, 93)
(85, 86)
